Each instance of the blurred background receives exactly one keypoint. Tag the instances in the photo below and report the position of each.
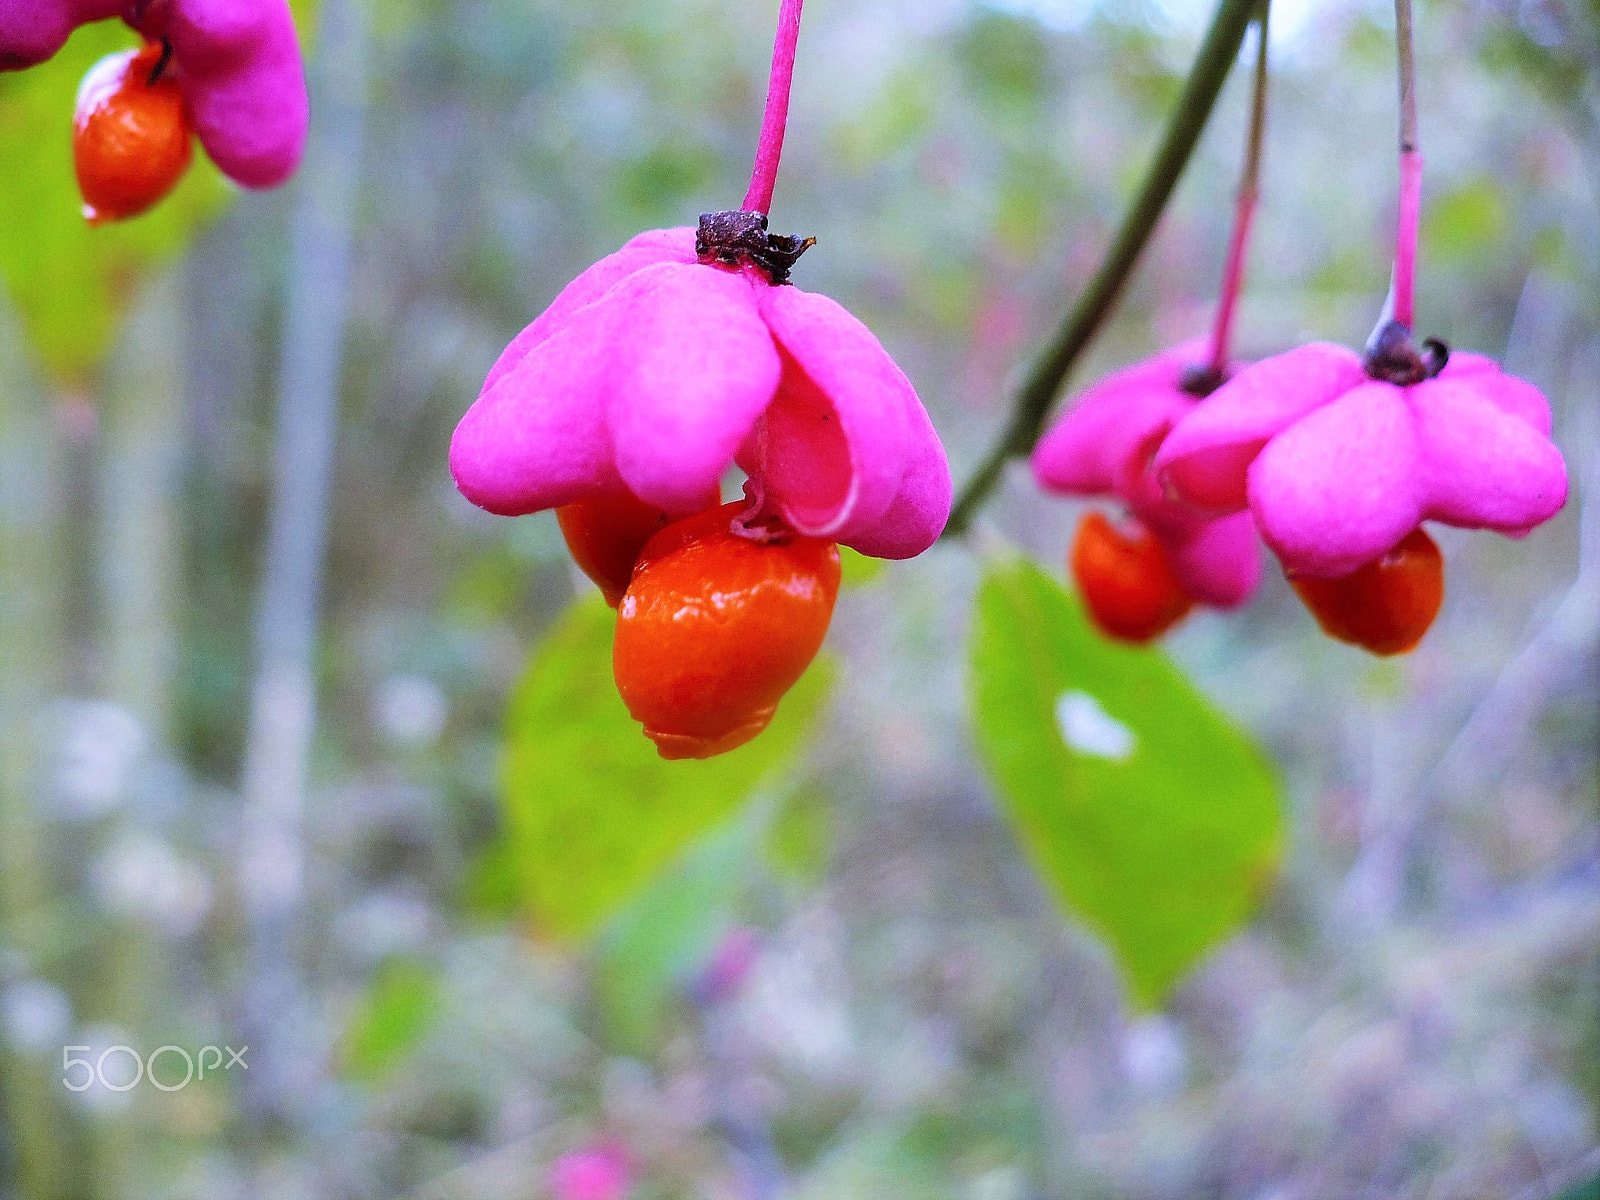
(259, 663)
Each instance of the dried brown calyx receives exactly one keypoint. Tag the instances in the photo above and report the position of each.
(736, 237)
(1394, 357)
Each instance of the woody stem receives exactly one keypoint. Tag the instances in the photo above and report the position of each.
(1245, 207)
(1405, 254)
(769, 150)
(1038, 392)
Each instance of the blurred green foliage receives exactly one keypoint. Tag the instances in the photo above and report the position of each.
(1466, 221)
(397, 1010)
(646, 959)
(1005, 59)
(592, 811)
(1162, 826)
(890, 121)
(664, 179)
(802, 837)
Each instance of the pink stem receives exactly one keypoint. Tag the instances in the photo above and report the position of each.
(770, 149)
(1244, 210)
(1405, 251)
(1232, 280)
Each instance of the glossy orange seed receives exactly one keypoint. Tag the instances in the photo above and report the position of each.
(606, 534)
(130, 138)
(1126, 579)
(714, 629)
(1385, 606)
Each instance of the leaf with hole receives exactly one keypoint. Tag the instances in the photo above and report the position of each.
(1150, 815)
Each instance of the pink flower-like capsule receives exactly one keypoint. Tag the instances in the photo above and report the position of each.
(598, 1174)
(626, 401)
(660, 366)
(31, 31)
(237, 62)
(1338, 467)
(1140, 579)
(1103, 447)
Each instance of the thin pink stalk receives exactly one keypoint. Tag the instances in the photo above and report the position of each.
(1232, 281)
(770, 149)
(1244, 210)
(1405, 253)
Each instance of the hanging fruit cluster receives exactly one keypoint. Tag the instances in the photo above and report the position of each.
(1337, 458)
(622, 406)
(227, 72)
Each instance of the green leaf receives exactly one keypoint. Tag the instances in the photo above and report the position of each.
(593, 813)
(72, 283)
(398, 1009)
(1162, 824)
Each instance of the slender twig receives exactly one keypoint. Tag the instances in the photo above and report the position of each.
(1217, 54)
(770, 149)
(1408, 76)
(1405, 254)
(1244, 211)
